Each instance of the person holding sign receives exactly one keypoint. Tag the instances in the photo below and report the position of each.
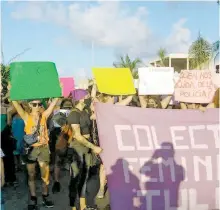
(154, 102)
(37, 139)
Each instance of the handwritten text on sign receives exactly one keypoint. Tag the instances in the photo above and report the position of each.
(195, 86)
(160, 165)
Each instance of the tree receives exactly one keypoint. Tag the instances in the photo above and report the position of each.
(5, 70)
(4, 78)
(162, 55)
(126, 62)
(215, 47)
(200, 52)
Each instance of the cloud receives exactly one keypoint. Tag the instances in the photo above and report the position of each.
(180, 37)
(108, 24)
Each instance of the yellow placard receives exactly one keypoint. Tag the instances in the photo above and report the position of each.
(114, 81)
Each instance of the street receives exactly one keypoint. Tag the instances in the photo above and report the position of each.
(16, 198)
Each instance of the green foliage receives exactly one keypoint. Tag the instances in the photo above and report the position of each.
(126, 62)
(162, 55)
(199, 52)
(5, 74)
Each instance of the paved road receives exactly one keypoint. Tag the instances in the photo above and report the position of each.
(16, 197)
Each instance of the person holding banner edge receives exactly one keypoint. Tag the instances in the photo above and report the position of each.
(83, 186)
(103, 98)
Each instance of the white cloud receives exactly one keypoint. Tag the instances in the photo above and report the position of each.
(180, 37)
(108, 24)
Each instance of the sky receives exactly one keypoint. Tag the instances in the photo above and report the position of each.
(80, 35)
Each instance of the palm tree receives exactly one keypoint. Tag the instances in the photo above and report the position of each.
(215, 49)
(200, 52)
(126, 62)
(162, 55)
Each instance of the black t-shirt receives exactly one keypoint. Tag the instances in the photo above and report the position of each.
(81, 118)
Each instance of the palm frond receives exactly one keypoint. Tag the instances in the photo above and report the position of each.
(162, 55)
(126, 62)
(200, 52)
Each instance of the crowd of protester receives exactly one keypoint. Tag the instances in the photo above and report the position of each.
(67, 137)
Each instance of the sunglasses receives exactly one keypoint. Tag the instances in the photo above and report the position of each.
(36, 104)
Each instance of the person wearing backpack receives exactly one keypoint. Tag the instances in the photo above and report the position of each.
(60, 138)
(79, 149)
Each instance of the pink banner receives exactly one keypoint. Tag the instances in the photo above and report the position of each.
(160, 159)
(68, 85)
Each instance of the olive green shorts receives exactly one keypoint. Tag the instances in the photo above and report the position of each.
(39, 153)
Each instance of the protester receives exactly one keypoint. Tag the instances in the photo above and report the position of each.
(8, 146)
(18, 134)
(201, 107)
(2, 178)
(103, 98)
(39, 151)
(154, 102)
(59, 140)
(79, 152)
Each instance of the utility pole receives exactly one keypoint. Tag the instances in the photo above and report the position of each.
(92, 53)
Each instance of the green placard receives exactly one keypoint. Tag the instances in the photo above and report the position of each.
(34, 80)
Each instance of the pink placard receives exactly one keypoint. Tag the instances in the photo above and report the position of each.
(195, 86)
(68, 85)
(160, 159)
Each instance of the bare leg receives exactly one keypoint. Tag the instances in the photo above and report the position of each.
(102, 178)
(82, 203)
(31, 179)
(56, 173)
(45, 173)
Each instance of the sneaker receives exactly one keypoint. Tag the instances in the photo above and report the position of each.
(100, 194)
(56, 187)
(47, 203)
(33, 204)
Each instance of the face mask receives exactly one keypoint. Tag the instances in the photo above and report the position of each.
(88, 102)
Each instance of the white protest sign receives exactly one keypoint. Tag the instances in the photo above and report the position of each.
(156, 80)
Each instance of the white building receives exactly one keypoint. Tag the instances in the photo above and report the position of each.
(178, 61)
